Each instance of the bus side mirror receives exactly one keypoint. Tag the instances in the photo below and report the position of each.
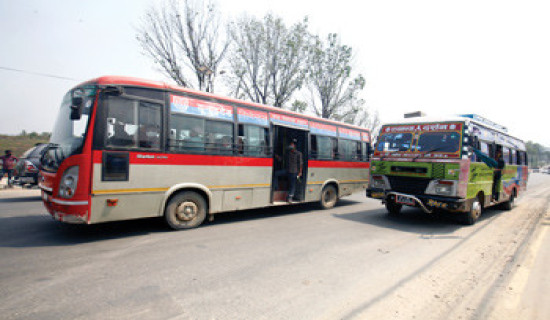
(76, 108)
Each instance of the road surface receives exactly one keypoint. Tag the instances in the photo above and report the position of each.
(299, 262)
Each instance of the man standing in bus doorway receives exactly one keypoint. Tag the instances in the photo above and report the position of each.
(8, 163)
(293, 169)
(497, 164)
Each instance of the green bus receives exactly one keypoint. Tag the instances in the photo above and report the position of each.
(431, 164)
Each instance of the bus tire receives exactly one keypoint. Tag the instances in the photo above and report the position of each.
(509, 205)
(393, 208)
(329, 197)
(185, 210)
(472, 215)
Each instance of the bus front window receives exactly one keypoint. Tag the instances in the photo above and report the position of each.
(68, 134)
(440, 141)
(394, 142)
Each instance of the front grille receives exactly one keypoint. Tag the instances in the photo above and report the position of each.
(408, 185)
(439, 170)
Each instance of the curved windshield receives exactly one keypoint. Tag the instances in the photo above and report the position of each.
(394, 142)
(70, 127)
(438, 142)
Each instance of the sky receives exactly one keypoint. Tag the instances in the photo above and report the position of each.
(441, 57)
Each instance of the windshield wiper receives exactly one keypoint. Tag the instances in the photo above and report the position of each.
(427, 152)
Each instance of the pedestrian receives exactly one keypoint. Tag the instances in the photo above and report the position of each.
(293, 169)
(8, 164)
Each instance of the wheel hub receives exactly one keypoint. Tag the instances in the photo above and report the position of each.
(187, 211)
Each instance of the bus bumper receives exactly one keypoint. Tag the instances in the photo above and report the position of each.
(66, 211)
(428, 203)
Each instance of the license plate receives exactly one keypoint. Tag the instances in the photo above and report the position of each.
(405, 200)
(377, 195)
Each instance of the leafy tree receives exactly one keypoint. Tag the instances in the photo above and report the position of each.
(334, 93)
(267, 59)
(185, 40)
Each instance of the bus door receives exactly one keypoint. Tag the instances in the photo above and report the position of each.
(282, 137)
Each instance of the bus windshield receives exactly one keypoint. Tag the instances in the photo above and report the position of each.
(438, 141)
(68, 134)
(422, 140)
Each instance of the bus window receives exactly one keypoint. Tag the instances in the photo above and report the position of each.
(394, 142)
(321, 147)
(253, 140)
(364, 151)
(514, 158)
(347, 149)
(149, 125)
(121, 122)
(187, 133)
(217, 134)
(506, 155)
(438, 141)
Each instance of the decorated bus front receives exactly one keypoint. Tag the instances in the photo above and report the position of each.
(422, 164)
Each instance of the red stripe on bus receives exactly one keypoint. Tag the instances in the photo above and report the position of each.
(337, 164)
(191, 159)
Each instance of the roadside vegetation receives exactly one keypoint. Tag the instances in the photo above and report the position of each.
(22, 142)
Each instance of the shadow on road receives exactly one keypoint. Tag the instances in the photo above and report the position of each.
(43, 231)
(21, 199)
(414, 220)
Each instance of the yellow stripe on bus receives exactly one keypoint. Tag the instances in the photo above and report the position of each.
(137, 190)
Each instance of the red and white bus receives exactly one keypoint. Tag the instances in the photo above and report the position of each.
(124, 148)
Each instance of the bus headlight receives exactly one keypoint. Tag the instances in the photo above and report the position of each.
(69, 181)
(444, 188)
(378, 182)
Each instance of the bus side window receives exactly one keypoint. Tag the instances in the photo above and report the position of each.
(335, 154)
(121, 122)
(364, 151)
(484, 148)
(514, 156)
(313, 151)
(253, 140)
(149, 125)
(506, 155)
(218, 137)
(187, 134)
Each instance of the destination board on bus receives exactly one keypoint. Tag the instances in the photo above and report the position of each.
(179, 104)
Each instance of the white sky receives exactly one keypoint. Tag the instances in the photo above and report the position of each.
(441, 57)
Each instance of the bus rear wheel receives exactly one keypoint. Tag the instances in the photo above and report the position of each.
(471, 216)
(185, 210)
(329, 197)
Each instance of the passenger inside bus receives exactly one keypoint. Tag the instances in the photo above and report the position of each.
(120, 137)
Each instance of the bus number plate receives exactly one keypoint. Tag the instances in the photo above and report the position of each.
(405, 200)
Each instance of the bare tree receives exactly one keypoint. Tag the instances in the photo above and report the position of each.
(334, 94)
(184, 38)
(267, 60)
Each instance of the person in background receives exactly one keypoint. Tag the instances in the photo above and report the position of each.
(8, 163)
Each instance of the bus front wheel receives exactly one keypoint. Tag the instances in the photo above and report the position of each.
(473, 214)
(393, 208)
(185, 210)
(329, 197)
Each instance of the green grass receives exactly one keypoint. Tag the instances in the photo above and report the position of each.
(19, 144)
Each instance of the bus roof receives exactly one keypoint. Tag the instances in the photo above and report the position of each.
(122, 80)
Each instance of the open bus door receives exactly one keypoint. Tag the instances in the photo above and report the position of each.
(282, 136)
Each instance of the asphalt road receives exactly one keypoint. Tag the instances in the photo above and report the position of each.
(350, 262)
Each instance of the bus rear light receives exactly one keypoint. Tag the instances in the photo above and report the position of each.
(112, 202)
(69, 182)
